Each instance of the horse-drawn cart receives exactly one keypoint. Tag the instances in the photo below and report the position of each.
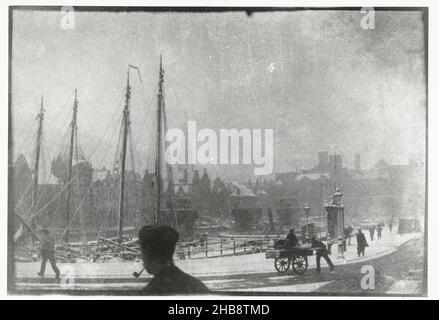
(285, 255)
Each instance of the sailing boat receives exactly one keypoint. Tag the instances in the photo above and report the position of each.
(30, 218)
(23, 223)
(167, 209)
(170, 211)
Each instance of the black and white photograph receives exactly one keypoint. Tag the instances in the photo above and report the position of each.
(218, 151)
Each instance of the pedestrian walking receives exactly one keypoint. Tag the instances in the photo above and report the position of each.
(322, 252)
(361, 243)
(379, 232)
(347, 234)
(47, 251)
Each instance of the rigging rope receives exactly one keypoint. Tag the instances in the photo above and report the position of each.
(110, 210)
(136, 191)
(92, 183)
(56, 118)
(79, 171)
(44, 149)
(17, 153)
(82, 201)
(78, 209)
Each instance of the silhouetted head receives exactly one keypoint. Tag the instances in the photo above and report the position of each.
(292, 230)
(158, 245)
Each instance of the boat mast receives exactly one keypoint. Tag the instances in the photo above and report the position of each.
(159, 141)
(125, 123)
(69, 167)
(37, 156)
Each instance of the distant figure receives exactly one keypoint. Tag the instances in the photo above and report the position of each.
(203, 239)
(293, 242)
(372, 232)
(347, 234)
(158, 245)
(361, 243)
(390, 226)
(48, 253)
(379, 231)
(321, 252)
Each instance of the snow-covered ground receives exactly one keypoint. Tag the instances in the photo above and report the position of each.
(241, 273)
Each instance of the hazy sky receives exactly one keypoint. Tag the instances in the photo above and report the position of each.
(315, 77)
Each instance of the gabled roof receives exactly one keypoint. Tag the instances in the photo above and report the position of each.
(181, 188)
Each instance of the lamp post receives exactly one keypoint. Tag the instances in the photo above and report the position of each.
(307, 209)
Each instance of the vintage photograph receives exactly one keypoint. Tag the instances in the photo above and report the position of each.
(217, 151)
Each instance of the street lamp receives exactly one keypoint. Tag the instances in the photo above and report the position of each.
(307, 209)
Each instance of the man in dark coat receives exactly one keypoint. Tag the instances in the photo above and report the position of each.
(293, 242)
(48, 253)
(361, 243)
(157, 244)
(321, 252)
(390, 226)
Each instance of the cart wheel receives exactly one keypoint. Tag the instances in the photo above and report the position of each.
(300, 264)
(282, 264)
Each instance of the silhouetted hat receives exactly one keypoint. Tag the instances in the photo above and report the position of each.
(159, 240)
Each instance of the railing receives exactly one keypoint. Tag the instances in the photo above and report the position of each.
(104, 249)
(222, 247)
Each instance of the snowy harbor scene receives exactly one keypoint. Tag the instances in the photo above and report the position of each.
(217, 151)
